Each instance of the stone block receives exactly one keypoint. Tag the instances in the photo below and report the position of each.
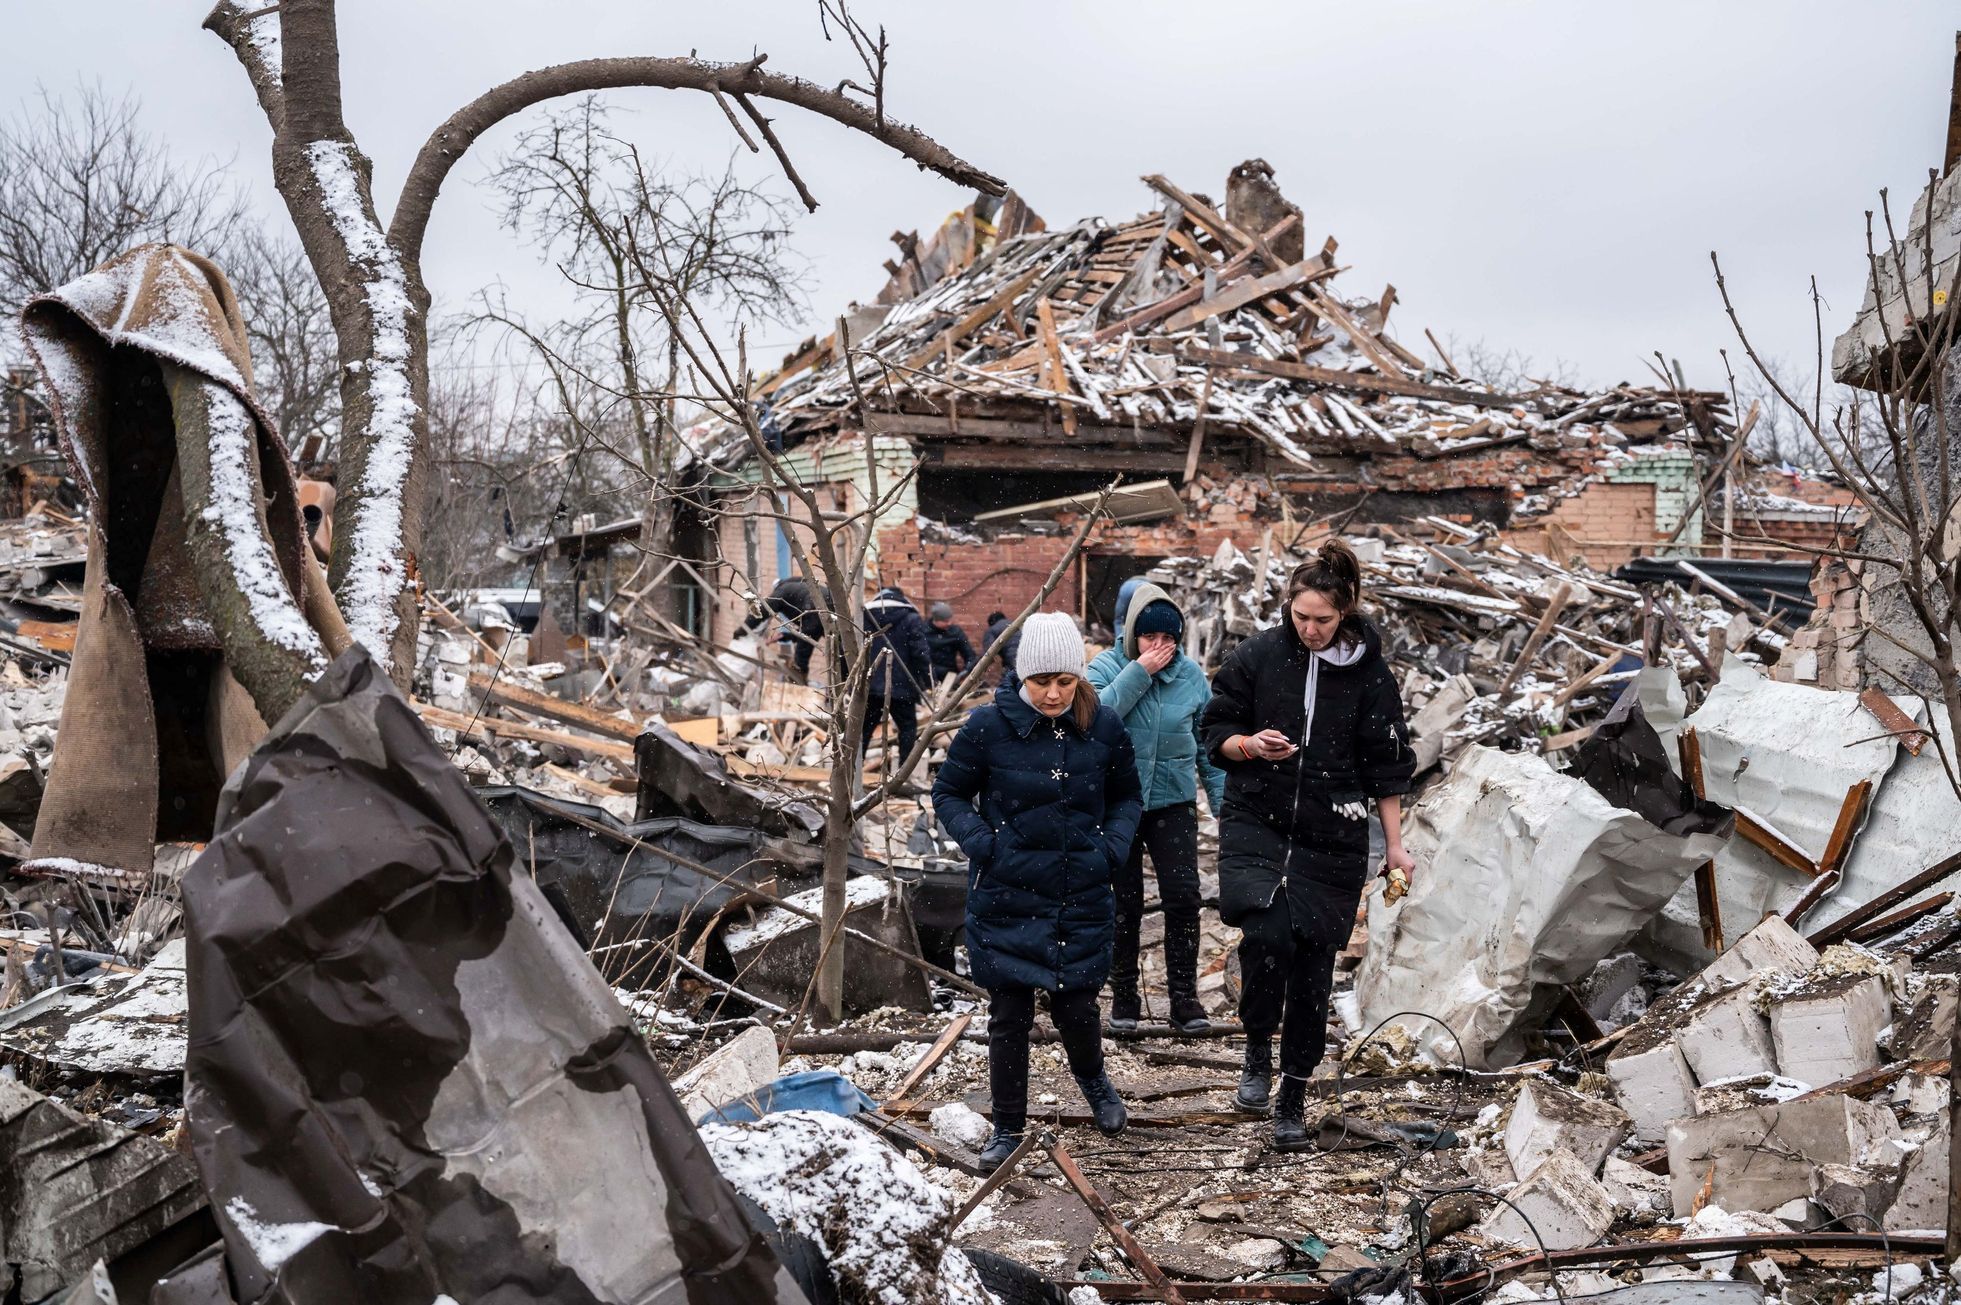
(1927, 1032)
(1725, 1037)
(1858, 1194)
(1921, 1202)
(1550, 1118)
(1611, 980)
(1634, 1191)
(1653, 1086)
(1564, 1204)
(732, 1071)
(1763, 1156)
(1772, 945)
(1829, 1031)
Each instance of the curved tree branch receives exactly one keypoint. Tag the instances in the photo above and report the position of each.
(269, 645)
(451, 140)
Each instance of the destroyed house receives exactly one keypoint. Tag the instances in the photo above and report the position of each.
(1204, 358)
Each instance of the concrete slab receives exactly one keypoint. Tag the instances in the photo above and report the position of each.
(1859, 1195)
(731, 1072)
(1725, 1037)
(1772, 945)
(1559, 1202)
(1827, 1032)
(1550, 1118)
(1922, 1198)
(1653, 1086)
(1763, 1156)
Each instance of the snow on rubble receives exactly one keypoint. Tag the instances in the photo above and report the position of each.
(883, 1226)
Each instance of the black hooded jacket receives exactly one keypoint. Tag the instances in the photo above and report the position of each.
(1279, 824)
(902, 657)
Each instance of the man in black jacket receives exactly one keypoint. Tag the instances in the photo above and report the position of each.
(997, 624)
(901, 666)
(952, 654)
(791, 602)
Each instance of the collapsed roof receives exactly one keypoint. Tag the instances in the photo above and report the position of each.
(1184, 336)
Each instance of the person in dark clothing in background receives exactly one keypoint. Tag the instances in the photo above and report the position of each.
(1040, 790)
(997, 624)
(1307, 721)
(1160, 693)
(901, 666)
(952, 654)
(790, 602)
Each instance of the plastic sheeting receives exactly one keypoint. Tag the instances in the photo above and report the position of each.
(616, 881)
(405, 1081)
(1526, 878)
(1787, 753)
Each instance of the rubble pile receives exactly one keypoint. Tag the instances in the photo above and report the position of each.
(1495, 645)
(1193, 319)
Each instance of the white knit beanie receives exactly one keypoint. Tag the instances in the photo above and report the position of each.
(1050, 645)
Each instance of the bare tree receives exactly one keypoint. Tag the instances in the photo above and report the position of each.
(81, 181)
(291, 337)
(1510, 371)
(1895, 448)
(372, 273)
(632, 242)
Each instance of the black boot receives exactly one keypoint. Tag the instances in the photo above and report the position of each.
(1104, 1104)
(1188, 1016)
(1125, 1009)
(1289, 1107)
(1181, 970)
(1255, 1077)
(1006, 1139)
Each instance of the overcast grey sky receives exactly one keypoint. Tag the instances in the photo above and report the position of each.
(1544, 176)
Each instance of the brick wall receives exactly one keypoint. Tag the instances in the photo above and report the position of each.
(1008, 567)
(1606, 524)
(1826, 651)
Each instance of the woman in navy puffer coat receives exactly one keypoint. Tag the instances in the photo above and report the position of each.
(1041, 790)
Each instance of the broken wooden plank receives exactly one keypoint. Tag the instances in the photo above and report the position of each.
(1058, 375)
(1839, 929)
(1364, 339)
(511, 729)
(507, 694)
(967, 324)
(1895, 721)
(1359, 382)
(1198, 430)
(1245, 291)
(934, 1055)
(1214, 222)
(1133, 1249)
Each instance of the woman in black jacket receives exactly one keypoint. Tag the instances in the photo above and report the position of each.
(1307, 722)
(1040, 789)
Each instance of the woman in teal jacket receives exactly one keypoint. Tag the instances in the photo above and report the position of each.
(1160, 693)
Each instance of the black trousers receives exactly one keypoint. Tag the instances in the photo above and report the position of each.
(905, 720)
(1170, 834)
(1286, 981)
(1010, 1016)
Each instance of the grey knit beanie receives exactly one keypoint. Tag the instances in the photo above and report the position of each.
(940, 612)
(1050, 645)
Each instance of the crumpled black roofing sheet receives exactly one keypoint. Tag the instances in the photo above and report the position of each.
(405, 1081)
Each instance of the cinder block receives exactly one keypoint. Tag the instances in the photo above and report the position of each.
(1772, 945)
(1830, 1031)
(1725, 1038)
(1565, 1206)
(1653, 1086)
(1763, 1156)
(1549, 1118)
